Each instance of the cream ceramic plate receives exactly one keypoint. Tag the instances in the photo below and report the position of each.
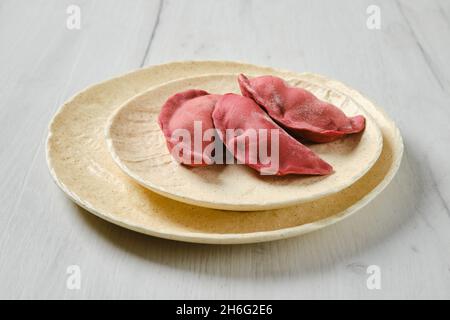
(82, 166)
(138, 146)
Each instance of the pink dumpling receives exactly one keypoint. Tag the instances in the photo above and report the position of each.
(299, 111)
(181, 111)
(243, 114)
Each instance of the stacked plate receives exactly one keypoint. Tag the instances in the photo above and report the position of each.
(106, 151)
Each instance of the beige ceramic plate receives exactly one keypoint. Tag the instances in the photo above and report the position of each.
(82, 166)
(138, 146)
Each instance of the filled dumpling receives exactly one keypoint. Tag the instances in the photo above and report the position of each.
(186, 122)
(299, 111)
(254, 139)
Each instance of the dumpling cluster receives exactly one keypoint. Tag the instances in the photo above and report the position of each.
(270, 116)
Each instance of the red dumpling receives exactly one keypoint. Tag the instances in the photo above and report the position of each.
(299, 111)
(251, 135)
(184, 119)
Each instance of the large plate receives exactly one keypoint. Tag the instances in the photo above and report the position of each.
(81, 165)
(138, 146)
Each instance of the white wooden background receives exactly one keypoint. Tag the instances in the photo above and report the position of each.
(404, 67)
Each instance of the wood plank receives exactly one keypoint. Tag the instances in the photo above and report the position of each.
(43, 63)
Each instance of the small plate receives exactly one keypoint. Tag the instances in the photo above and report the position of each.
(138, 146)
(82, 167)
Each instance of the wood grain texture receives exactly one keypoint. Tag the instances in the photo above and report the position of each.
(403, 67)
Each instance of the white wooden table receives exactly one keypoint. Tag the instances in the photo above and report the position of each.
(404, 66)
